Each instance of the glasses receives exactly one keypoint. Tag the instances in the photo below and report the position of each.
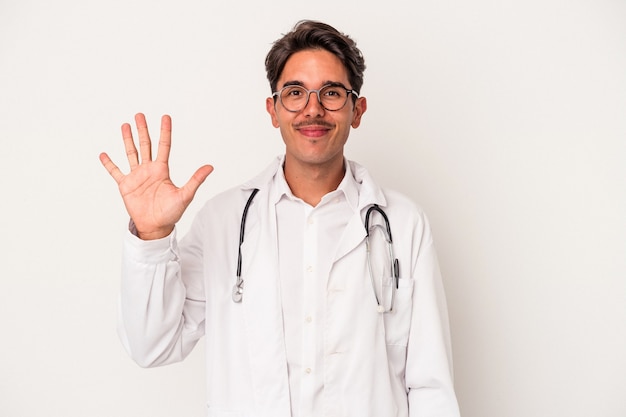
(294, 98)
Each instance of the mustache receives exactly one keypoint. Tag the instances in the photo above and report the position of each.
(315, 122)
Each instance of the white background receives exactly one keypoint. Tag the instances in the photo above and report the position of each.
(504, 119)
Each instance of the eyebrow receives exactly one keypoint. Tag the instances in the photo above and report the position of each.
(324, 84)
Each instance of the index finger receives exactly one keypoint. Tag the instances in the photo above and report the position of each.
(165, 140)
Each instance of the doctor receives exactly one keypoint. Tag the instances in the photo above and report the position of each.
(319, 308)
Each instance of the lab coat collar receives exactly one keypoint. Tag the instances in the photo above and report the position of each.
(348, 187)
(363, 195)
(368, 193)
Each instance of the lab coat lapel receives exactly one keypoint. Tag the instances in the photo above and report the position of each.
(352, 236)
(368, 194)
(262, 310)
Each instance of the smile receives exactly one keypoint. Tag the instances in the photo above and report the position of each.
(313, 131)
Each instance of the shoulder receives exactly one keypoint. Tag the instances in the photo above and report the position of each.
(372, 193)
(403, 212)
(224, 209)
(235, 198)
(400, 200)
(400, 206)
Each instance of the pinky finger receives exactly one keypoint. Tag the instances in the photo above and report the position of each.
(111, 168)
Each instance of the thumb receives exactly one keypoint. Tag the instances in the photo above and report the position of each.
(196, 180)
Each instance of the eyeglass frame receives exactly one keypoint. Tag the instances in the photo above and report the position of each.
(317, 93)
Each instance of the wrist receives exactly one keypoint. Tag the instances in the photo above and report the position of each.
(158, 234)
(149, 235)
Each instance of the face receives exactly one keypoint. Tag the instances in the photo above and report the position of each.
(315, 137)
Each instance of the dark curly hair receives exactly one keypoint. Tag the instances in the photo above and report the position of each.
(309, 34)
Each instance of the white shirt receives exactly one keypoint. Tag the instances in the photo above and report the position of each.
(307, 239)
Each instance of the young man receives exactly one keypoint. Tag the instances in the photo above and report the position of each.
(330, 303)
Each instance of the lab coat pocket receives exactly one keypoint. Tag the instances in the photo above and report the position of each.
(398, 321)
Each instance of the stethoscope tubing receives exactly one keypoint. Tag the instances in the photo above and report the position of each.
(238, 287)
(237, 292)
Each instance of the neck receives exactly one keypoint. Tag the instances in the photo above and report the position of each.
(312, 182)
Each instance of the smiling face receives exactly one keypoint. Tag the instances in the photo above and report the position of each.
(315, 137)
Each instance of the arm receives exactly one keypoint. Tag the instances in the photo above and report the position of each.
(429, 375)
(160, 319)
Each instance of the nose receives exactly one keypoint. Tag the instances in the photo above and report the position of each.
(314, 105)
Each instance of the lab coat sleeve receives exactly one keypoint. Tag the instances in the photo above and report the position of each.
(160, 319)
(429, 374)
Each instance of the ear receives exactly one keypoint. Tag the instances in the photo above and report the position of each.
(271, 109)
(359, 108)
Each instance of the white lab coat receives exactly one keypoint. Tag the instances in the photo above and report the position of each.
(375, 365)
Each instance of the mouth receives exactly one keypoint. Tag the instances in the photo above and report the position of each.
(313, 130)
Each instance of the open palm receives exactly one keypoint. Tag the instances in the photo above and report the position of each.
(153, 202)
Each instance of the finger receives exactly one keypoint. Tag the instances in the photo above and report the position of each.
(165, 140)
(113, 170)
(196, 180)
(145, 146)
(129, 145)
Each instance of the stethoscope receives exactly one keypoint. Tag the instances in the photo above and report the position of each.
(395, 267)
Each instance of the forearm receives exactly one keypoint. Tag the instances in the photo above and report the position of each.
(156, 322)
(429, 373)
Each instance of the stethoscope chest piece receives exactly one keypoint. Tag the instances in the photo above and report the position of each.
(238, 292)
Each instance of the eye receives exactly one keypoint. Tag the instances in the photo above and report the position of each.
(333, 92)
(293, 92)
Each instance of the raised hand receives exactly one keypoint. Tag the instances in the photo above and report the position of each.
(153, 202)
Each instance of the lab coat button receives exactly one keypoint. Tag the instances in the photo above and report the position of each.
(307, 370)
(308, 319)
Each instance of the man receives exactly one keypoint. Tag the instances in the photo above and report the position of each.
(321, 307)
